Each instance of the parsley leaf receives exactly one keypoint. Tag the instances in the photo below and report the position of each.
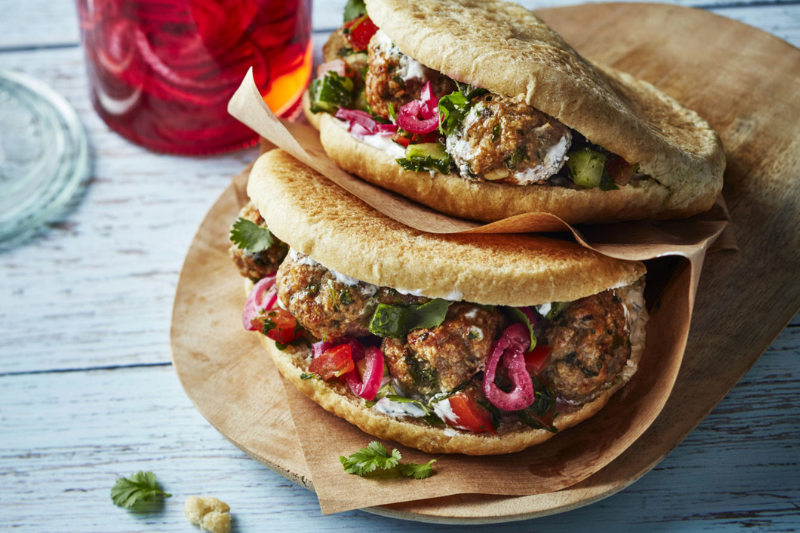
(368, 459)
(142, 486)
(417, 471)
(248, 235)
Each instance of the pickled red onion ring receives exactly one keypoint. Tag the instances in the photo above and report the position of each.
(409, 119)
(510, 347)
(361, 123)
(262, 297)
(370, 382)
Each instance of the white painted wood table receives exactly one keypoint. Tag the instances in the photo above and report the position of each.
(87, 392)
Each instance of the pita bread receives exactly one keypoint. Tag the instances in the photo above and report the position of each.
(317, 217)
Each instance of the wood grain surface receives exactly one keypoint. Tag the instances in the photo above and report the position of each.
(93, 398)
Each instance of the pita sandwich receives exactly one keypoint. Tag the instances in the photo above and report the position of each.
(482, 111)
(474, 344)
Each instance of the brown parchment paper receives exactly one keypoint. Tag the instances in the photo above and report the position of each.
(572, 455)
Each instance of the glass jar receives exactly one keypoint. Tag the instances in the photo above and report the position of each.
(161, 72)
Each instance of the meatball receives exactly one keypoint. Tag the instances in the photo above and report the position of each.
(323, 305)
(442, 358)
(395, 78)
(260, 264)
(328, 305)
(338, 47)
(591, 346)
(503, 139)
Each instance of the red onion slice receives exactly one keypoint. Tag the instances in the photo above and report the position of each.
(262, 297)
(510, 347)
(361, 123)
(370, 382)
(408, 118)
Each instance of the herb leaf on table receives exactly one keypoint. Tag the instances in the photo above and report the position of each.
(142, 486)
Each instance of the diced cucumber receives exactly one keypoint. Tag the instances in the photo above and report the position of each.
(433, 150)
(586, 167)
(331, 92)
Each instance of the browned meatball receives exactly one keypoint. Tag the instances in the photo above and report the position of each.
(440, 359)
(396, 78)
(590, 346)
(505, 140)
(338, 47)
(326, 307)
(261, 264)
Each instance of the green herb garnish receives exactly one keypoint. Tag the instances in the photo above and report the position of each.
(417, 471)
(249, 236)
(369, 459)
(425, 164)
(428, 315)
(521, 317)
(354, 9)
(141, 487)
(389, 321)
(375, 456)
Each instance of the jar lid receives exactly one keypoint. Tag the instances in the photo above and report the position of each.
(44, 155)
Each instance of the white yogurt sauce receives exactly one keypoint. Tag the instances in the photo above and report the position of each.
(553, 161)
(411, 69)
(381, 142)
(302, 259)
(395, 409)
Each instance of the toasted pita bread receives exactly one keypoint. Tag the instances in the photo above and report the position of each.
(503, 47)
(317, 217)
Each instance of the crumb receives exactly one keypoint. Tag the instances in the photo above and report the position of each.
(209, 513)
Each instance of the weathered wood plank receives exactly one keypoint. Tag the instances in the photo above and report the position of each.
(49, 23)
(67, 435)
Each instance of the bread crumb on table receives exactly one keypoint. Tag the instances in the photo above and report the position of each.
(209, 513)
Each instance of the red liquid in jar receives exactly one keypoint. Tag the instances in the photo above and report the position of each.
(162, 71)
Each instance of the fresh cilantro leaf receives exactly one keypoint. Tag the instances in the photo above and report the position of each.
(428, 315)
(142, 486)
(375, 456)
(247, 235)
(368, 459)
(417, 471)
(354, 9)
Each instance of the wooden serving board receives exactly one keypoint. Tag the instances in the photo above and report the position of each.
(745, 82)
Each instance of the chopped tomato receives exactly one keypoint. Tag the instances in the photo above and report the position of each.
(360, 31)
(619, 170)
(279, 325)
(536, 359)
(404, 138)
(333, 362)
(401, 139)
(469, 414)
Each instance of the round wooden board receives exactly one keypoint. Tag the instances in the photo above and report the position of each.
(739, 78)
